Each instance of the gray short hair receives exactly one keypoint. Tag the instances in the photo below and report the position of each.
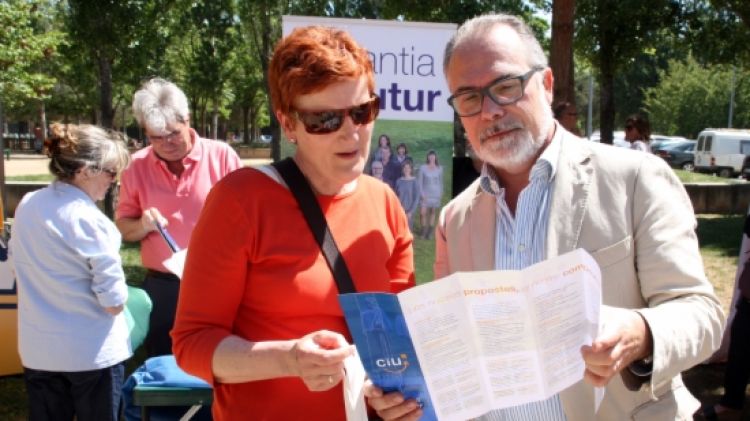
(73, 147)
(482, 24)
(160, 103)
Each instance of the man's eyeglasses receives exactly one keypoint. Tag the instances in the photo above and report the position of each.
(167, 138)
(629, 128)
(329, 121)
(505, 90)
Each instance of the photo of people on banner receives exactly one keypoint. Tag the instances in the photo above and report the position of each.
(419, 186)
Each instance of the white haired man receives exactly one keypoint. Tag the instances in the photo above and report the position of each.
(167, 183)
(544, 192)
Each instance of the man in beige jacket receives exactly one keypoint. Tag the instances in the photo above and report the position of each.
(544, 192)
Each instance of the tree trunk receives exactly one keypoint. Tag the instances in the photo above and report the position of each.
(194, 114)
(561, 51)
(246, 125)
(204, 119)
(43, 119)
(267, 44)
(607, 107)
(105, 91)
(3, 196)
(215, 121)
(107, 118)
(606, 82)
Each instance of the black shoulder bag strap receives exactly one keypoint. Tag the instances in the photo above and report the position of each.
(301, 190)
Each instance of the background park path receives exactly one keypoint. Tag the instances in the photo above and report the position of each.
(26, 164)
(33, 164)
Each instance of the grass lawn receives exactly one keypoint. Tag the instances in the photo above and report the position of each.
(694, 177)
(719, 237)
(33, 177)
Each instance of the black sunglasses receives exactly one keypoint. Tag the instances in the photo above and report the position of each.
(109, 171)
(329, 121)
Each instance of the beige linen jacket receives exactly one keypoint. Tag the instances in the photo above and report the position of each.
(629, 210)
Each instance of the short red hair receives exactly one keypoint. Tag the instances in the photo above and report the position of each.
(310, 59)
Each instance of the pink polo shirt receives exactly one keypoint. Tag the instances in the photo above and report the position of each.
(148, 183)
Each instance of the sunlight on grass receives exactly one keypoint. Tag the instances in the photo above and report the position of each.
(31, 177)
(130, 253)
(694, 177)
(12, 398)
(720, 237)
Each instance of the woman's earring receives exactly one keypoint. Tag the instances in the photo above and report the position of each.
(293, 141)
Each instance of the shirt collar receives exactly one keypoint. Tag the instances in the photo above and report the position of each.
(195, 153)
(545, 167)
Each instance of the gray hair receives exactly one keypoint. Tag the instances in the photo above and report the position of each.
(481, 25)
(74, 147)
(160, 103)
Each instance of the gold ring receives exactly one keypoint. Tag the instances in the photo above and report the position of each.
(330, 379)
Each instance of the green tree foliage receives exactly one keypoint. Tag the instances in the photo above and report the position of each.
(75, 94)
(121, 38)
(208, 43)
(24, 48)
(458, 11)
(691, 97)
(643, 72)
(247, 82)
(262, 28)
(718, 30)
(611, 34)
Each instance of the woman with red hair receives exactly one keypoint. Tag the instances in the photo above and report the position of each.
(258, 315)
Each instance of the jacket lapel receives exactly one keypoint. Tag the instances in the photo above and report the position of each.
(569, 196)
(482, 247)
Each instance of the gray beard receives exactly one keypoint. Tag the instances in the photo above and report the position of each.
(513, 151)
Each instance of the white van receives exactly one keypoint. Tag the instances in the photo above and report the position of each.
(722, 151)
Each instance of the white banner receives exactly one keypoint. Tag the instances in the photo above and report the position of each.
(407, 59)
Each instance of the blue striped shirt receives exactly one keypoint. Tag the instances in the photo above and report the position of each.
(519, 242)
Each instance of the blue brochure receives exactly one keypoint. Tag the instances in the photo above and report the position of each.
(473, 342)
(379, 331)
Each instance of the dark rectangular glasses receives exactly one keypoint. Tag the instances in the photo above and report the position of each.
(505, 90)
(329, 121)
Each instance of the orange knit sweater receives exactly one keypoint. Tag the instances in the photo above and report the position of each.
(255, 271)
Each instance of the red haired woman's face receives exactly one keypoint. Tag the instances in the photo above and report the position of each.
(334, 159)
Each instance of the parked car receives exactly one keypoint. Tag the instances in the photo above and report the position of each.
(722, 151)
(618, 139)
(657, 141)
(678, 154)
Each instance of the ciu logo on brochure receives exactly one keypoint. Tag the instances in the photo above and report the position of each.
(393, 364)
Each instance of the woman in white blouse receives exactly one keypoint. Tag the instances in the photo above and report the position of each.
(72, 335)
(638, 132)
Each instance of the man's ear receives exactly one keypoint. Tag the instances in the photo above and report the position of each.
(548, 79)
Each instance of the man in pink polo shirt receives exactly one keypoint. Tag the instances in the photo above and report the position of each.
(167, 182)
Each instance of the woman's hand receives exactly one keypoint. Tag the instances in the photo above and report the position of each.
(318, 359)
(114, 310)
(391, 406)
